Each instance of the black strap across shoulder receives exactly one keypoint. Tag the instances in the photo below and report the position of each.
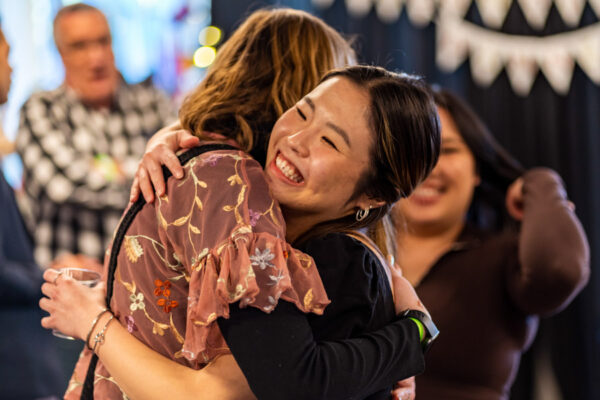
(87, 392)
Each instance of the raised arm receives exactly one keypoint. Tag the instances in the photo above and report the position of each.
(553, 253)
(160, 150)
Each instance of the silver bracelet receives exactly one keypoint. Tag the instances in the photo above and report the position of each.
(94, 322)
(100, 336)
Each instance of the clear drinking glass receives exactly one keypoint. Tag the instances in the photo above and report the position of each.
(85, 277)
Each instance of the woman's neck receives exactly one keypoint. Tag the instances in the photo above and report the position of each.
(297, 224)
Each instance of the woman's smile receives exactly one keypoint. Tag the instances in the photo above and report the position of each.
(287, 170)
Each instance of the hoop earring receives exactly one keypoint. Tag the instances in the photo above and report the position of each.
(362, 214)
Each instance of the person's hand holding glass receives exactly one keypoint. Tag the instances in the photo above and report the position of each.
(73, 295)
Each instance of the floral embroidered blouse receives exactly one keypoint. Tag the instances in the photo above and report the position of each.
(215, 238)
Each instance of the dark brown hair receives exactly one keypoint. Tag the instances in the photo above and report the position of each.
(273, 59)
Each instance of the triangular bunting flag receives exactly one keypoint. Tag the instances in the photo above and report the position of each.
(493, 12)
(359, 8)
(587, 53)
(420, 12)
(557, 65)
(455, 7)
(522, 70)
(452, 45)
(570, 10)
(536, 12)
(323, 3)
(388, 11)
(486, 62)
(596, 6)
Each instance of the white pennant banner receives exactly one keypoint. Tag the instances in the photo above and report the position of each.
(570, 10)
(490, 51)
(536, 11)
(457, 8)
(493, 12)
(421, 12)
(523, 56)
(388, 11)
(359, 8)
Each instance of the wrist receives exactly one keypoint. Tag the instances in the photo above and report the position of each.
(95, 325)
(99, 331)
(427, 329)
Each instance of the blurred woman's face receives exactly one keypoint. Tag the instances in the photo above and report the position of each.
(318, 151)
(443, 199)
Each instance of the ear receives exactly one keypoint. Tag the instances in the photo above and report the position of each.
(365, 202)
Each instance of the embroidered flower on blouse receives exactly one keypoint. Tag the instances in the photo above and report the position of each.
(272, 303)
(239, 291)
(262, 260)
(133, 249)
(167, 304)
(254, 216)
(137, 302)
(131, 326)
(163, 288)
(276, 278)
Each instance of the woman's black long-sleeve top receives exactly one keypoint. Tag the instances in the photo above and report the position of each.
(291, 355)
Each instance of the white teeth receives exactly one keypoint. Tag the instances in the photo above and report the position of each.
(426, 192)
(288, 170)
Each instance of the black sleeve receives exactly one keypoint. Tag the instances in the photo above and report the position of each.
(281, 358)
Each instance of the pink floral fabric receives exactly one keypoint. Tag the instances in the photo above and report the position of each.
(215, 238)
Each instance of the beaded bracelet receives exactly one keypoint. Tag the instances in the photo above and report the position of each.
(100, 336)
(94, 322)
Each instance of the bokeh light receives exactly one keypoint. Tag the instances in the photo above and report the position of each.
(204, 56)
(209, 36)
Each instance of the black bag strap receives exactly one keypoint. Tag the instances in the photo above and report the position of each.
(87, 392)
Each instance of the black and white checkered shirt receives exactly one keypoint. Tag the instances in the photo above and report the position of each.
(75, 203)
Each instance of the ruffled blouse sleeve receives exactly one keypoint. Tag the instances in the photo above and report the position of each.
(229, 235)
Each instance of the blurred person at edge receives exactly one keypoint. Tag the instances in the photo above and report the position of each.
(28, 366)
(489, 248)
(81, 142)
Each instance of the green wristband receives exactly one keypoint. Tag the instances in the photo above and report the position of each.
(421, 328)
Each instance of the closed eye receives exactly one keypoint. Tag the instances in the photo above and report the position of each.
(450, 150)
(301, 113)
(329, 142)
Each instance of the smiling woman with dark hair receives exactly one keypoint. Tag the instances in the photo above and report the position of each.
(490, 248)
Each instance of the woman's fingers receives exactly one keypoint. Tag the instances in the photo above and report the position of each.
(46, 322)
(134, 194)
(51, 274)
(170, 160)
(144, 184)
(48, 289)
(186, 140)
(45, 304)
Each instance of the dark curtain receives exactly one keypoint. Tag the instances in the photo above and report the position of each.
(544, 128)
